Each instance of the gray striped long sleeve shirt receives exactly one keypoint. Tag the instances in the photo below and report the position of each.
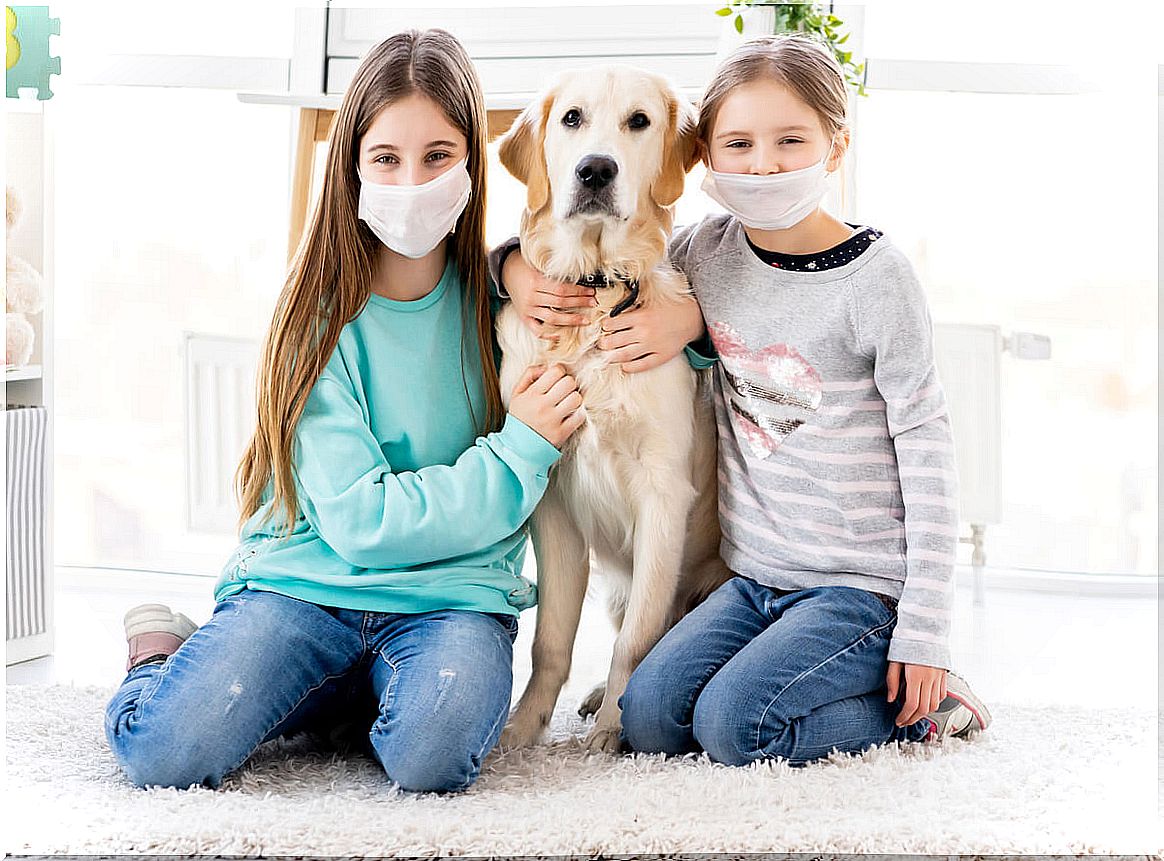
(835, 454)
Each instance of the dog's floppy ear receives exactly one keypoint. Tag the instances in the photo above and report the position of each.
(522, 151)
(680, 151)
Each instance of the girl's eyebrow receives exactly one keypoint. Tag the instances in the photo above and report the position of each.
(778, 131)
(393, 147)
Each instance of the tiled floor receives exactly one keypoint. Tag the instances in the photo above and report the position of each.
(1082, 646)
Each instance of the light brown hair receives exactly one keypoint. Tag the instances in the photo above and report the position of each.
(330, 278)
(801, 64)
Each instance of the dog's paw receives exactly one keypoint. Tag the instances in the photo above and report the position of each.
(593, 701)
(523, 730)
(604, 739)
(513, 738)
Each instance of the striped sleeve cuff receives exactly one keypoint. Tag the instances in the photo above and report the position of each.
(906, 651)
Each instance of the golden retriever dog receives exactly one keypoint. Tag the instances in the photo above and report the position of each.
(603, 154)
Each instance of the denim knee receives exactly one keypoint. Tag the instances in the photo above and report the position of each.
(729, 732)
(726, 739)
(165, 759)
(153, 753)
(652, 721)
(421, 766)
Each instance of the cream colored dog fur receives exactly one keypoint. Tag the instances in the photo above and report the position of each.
(635, 489)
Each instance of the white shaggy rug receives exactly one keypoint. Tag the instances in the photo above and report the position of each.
(1040, 781)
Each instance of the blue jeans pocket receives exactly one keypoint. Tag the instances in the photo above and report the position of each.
(884, 611)
(888, 603)
(509, 622)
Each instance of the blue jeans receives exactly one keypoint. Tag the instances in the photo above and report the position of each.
(756, 673)
(429, 693)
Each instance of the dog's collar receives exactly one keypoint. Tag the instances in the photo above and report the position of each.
(599, 279)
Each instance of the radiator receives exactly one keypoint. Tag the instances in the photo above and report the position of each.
(28, 592)
(220, 411)
(220, 418)
(968, 359)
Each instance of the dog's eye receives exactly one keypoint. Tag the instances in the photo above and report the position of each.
(638, 120)
(573, 118)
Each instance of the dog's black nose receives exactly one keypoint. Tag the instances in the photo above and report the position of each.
(596, 171)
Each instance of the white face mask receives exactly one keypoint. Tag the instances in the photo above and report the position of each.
(773, 202)
(413, 219)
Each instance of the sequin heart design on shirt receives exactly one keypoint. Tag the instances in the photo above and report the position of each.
(770, 392)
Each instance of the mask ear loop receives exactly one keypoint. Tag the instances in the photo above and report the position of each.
(828, 155)
(840, 177)
(454, 230)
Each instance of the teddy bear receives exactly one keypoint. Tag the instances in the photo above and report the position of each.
(23, 293)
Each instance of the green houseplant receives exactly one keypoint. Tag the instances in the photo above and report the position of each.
(813, 19)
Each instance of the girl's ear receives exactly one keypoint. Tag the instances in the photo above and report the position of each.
(840, 148)
(680, 151)
(522, 151)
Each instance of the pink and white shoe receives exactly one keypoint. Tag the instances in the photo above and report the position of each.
(959, 714)
(154, 632)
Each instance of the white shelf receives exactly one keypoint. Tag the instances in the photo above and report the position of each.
(493, 101)
(332, 101)
(27, 372)
(29, 167)
(295, 100)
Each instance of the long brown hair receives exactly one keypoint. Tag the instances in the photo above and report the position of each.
(330, 278)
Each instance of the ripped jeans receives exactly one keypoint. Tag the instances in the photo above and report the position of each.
(427, 694)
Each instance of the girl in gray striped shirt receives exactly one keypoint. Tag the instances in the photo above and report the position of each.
(837, 497)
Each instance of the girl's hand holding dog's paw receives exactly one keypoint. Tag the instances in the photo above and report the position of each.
(538, 299)
(548, 401)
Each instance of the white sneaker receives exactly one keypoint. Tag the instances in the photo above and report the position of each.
(959, 714)
(154, 631)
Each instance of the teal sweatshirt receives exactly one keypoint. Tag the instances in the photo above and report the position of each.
(403, 507)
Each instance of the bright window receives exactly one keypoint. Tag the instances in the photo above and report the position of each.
(171, 216)
(1038, 213)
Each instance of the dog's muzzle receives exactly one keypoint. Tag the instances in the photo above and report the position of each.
(594, 192)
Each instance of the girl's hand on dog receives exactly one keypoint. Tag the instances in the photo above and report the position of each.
(642, 338)
(538, 298)
(647, 336)
(548, 401)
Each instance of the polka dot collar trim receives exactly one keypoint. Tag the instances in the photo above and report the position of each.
(830, 258)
